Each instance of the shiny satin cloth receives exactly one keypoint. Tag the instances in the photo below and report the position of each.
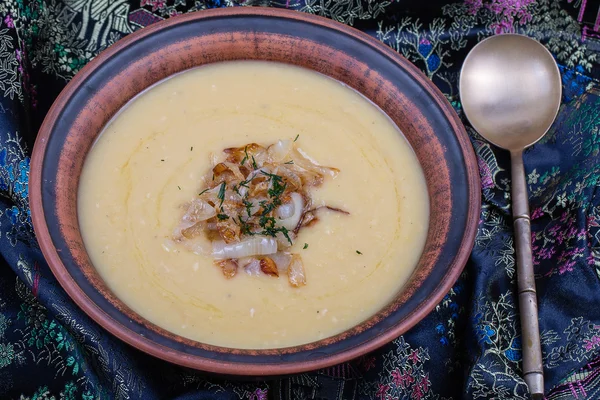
(469, 347)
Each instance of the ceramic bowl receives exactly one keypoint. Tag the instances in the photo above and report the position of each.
(145, 57)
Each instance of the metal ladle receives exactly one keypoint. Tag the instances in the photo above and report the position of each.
(510, 88)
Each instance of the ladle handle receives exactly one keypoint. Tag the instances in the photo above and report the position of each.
(533, 370)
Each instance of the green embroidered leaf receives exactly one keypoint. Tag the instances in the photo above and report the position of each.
(87, 396)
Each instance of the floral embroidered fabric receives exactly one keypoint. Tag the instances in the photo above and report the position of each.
(469, 347)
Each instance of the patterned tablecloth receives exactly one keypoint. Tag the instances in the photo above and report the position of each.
(468, 348)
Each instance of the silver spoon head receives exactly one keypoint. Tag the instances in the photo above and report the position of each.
(510, 89)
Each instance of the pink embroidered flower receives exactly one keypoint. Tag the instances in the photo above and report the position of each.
(407, 378)
(424, 382)
(402, 379)
(547, 253)
(507, 11)
(567, 267)
(511, 9)
(417, 393)
(259, 394)
(414, 356)
(474, 6)
(537, 213)
(9, 21)
(486, 175)
(501, 27)
(572, 232)
(155, 4)
(592, 343)
(590, 259)
(382, 392)
(397, 378)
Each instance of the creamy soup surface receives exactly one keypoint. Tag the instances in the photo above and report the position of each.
(149, 161)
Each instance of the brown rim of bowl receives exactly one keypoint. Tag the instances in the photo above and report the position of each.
(232, 368)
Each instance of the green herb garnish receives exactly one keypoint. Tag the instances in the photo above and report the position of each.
(277, 189)
(244, 227)
(179, 187)
(248, 205)
(222, 217)
(285, 233)
(204, 191)
(269, 206)
(245, 183)
(271, 230)
(221, 195)
(274, 192)
(297, 136)
(289, 162)
(246, 156)
(192, 148)
(267, 223)
(305, 246)
(254, 163)
(358, 252)
(270, 175)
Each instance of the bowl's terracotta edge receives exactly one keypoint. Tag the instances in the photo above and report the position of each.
(184, 359)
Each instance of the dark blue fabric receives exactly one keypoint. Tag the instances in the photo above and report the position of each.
(468, 348)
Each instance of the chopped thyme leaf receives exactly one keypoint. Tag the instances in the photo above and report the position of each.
(269, 229)
(272, 176)
(221, 195)
(248, 205)
(179, 187)
(267, 207)
(274, 192)
(277, 189)
(245, 183)
(297, 136)
(267, 222)
(246, 156)
(244, 227)
(285, 233)
(358, 252)
(222, 217)
(305, 246)
(254, 163)
(202, 192)
(192, 148)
